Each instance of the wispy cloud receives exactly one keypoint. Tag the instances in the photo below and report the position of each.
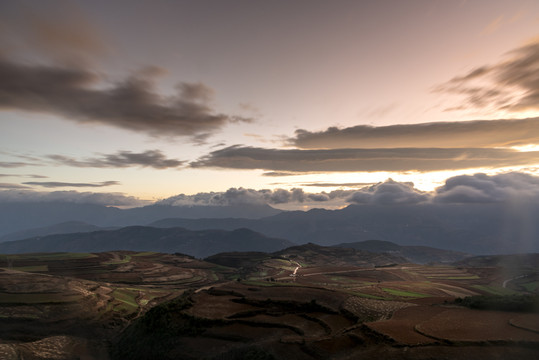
(403, 159)
(122, 159)
(501, 21)
(278, 173)
(13, 186)
(32, 176)
(512, 85)
(65, 35)
(55, 184)
(462, 134)
(14, 164)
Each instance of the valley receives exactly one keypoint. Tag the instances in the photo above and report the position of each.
(303, 302)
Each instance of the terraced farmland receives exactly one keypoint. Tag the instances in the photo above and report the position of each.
(256, 305)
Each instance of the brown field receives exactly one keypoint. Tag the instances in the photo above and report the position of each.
(466, 325)
(528, 321)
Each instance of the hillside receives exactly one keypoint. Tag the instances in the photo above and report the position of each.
(140, 238)
(316, 255)
(507, 261)
(414, 254)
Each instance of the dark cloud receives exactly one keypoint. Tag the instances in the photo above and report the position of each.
(405, 159)
(513, 83)
(462, 134)
(108, 199)
(132, 104)
(122, 159)
(279, 173)
(480, 188)
(338, 184)
(55, 184)
(34, 176)
(389, 193)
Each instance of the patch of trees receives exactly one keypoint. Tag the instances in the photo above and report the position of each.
(286, 306)
(520, 303)
(249, 352)
(157, 332)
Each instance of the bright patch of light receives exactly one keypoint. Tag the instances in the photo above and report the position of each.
(526, 148)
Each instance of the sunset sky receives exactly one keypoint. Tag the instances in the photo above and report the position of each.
(145, 100)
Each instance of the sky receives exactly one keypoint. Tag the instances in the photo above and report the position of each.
(299, 102)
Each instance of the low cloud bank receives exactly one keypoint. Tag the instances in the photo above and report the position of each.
(483, 188)
(238, 196)
(389, 193)
(477, 188)
(106, 199)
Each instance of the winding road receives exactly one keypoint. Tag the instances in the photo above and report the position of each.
(509, 280)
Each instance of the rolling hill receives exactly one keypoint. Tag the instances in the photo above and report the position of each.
(141, 238)
(415, 254)
(62, 228)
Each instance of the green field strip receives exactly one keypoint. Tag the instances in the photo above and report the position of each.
(531, 286)
(494, 290)
(125, 260)
(441, 277)
(37, 298)
(219, 268)
(214, 277)
(48, 256)
(145, 253)
(127, 299)
(366, 296)
(404, 293)
(35, 268)
(271, 283)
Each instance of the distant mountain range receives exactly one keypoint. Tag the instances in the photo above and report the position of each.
(62, 228)
(200, 244)
(490, 228)
(16, 217)
(479, 228)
